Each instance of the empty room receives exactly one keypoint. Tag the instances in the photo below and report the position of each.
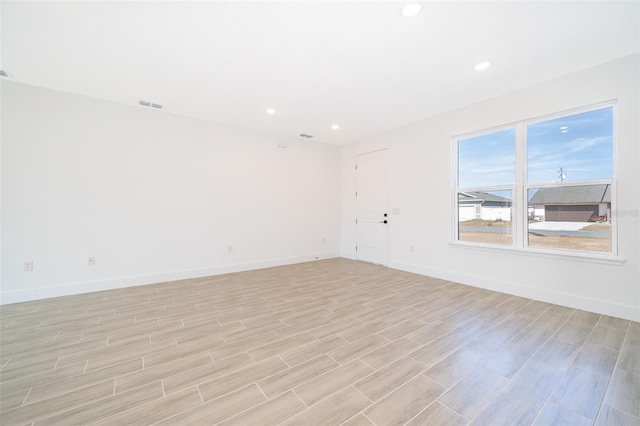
(320, 213)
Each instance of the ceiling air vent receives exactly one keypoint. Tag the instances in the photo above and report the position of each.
(304, 135)
(150, 104)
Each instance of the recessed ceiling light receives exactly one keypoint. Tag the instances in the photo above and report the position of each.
(271, 111)
(411, 10)
(481, 66)
(335, 127)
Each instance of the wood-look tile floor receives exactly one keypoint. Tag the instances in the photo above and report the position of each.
(333, 342)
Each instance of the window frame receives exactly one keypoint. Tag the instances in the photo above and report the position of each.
(457, 190)
(521, 186)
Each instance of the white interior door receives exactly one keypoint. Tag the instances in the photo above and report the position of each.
(372, 201)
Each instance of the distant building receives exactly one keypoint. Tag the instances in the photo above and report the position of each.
(586, 203)
(482, 205)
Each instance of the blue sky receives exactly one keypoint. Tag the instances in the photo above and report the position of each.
(582, 144)
(487, 160)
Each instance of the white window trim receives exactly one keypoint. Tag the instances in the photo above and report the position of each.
(578, 256)
(520, 193)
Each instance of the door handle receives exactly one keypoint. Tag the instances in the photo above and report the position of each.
(383, 221)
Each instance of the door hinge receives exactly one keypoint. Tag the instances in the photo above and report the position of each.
(356, 193)
(356, 167)
(356, 221)
(356, 248)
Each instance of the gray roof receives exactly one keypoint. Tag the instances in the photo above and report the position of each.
(479, 197)
(572, 195)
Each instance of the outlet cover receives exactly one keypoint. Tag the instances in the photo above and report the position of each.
(28, 266)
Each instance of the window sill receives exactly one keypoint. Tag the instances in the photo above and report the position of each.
(552, 254)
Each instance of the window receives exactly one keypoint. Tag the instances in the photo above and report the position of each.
(486, 176)
(540, 184)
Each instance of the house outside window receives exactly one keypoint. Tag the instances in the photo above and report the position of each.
(543, 185)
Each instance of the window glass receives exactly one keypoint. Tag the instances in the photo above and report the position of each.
(570, 217)
(572, 148)
(485, 217)
(487, 160)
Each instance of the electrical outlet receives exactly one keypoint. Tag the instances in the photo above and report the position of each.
(412, 248)
(28, 266)
(230, 249)
(324, 240)
(91, 261)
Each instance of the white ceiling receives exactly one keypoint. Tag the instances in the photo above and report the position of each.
(356, 63)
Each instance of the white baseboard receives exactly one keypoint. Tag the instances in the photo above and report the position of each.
(349, 255)
(136, 280)
(544, 295)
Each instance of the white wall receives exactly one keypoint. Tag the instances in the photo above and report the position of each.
(420, 175)
(152, 195)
